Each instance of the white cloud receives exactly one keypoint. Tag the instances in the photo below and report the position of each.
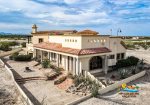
(71, 1)
(122, 2)
(11, 26)
(56, 13)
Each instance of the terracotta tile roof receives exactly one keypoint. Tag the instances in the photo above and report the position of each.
(58, 47)
(87, 32)
(57, 32)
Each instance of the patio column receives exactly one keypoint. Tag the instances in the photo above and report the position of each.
(66, 62)
(105, 64)
(77, 67)
(74, 66)
(50, 56)
(57, 61)
(41, 55)
(35, 53)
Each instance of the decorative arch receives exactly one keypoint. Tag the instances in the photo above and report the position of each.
(95, 63)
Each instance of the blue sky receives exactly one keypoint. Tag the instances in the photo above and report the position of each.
(131, 16)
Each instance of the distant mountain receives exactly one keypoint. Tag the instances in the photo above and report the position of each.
(4, 33)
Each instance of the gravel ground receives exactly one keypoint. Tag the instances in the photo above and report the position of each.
(41, 90)
(8, 92)
(114, 98)
(98, 101)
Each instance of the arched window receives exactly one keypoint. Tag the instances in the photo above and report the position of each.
(95, 63)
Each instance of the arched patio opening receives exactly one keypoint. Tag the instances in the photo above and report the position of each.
(95, 63)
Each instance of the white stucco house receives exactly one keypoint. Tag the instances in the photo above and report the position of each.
(77, 52)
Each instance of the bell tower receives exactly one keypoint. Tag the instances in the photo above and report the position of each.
(34, 28)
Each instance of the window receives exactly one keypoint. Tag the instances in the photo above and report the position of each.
(111, 56)
(118, 56)
(40, 40)
(96, 63)
(122, 55)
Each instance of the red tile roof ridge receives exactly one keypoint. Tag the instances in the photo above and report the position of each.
(58, 47)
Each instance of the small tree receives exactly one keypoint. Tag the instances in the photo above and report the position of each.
(45, 63)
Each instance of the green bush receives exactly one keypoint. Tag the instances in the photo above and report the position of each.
(11, 57)
(4, 47)
(23, 44)
(45, 63)
(60, 80)
(13, 43)
(22, 58)
(128, 62)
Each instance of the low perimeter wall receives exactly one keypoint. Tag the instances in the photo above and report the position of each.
(119, 83)
(110, 87)
(27, 100)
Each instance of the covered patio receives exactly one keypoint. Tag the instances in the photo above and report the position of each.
(74, 61)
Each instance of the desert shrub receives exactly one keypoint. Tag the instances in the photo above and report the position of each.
(94, 89)
(123, 73)
(51, 76)
(88, 81)
(5, 47)
(133, 69)
(52, 66)
(141, 64)
(70, 75)
(128, 62)
(78, 79)
(11, 57)
(58, 70)
(60, 80)
(23, 44)
(13, 43)
(133, 60)
(22, 58)
(45, 63)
